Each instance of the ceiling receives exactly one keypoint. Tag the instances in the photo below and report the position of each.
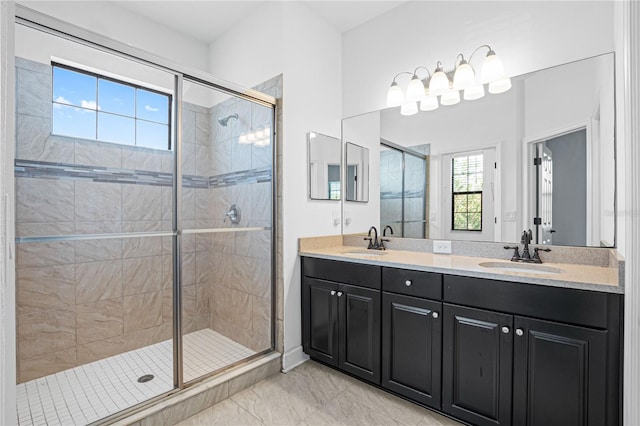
(207, 20)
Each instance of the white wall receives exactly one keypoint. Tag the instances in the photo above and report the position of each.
(108, 19)
(312, 93)
(7, 224)
(527, 35)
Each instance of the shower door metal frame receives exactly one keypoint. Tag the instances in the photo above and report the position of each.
(53, 26)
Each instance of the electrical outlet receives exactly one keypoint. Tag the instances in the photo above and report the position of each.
(442, 247)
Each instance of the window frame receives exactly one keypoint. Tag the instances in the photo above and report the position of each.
(135, 86)
(467, 193)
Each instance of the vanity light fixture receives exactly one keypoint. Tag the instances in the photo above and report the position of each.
(260, 137)
(448, 89)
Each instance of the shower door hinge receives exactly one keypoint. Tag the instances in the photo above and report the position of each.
(537, 221)
(537, 161)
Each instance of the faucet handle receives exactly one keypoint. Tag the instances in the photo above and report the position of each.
(516, 253)
(370, 242)
(536, 255)
(382, 241)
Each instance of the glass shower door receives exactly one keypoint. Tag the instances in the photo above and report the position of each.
(391, 189)
(226, 228)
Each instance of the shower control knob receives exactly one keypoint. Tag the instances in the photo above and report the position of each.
(333, 292)
(505, 330)
(408, 283)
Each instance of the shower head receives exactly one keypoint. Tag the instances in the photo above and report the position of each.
(224, 120)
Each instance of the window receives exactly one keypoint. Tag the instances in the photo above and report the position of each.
(466, 192)
(90, 106)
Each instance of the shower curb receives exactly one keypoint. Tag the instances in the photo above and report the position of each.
(188, 402)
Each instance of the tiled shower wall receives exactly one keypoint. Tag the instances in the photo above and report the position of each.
(79, 301)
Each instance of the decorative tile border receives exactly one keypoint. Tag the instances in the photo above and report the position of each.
(46, 170)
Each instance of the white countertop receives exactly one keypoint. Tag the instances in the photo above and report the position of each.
(586, 277)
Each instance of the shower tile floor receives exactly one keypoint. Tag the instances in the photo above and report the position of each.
(87, 393)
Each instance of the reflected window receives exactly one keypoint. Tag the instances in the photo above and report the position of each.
(91, 106)
(466, 184)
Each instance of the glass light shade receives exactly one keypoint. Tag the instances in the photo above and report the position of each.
(464, 77)
(474, 92)
(451, 97)
(267, 132)
(243, 139)
(492, 68)
(395, 97)
(251, 137)
(439, 83)
(262, 142)
(429, 103)
(415, 89)
(259, 133)
(500, 86)
(409, 108)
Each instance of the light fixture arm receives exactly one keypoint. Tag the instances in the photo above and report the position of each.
(480, 47)
(422, 68)
(401, 73)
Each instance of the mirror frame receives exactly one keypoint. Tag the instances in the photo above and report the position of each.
(366, 173)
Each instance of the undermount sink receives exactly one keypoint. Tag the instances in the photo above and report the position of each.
(366, 252)
(530, 268)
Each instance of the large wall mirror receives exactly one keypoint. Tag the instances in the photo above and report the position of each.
(324, 167)
(540, 156)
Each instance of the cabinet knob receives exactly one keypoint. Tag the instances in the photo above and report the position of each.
(435, 315)
(333, 292)
(339, 294)
(505, 330)
(519, 332)
(408, 283)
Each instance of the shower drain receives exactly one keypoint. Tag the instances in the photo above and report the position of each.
(146, 378)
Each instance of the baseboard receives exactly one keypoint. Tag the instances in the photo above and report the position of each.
(293, 358)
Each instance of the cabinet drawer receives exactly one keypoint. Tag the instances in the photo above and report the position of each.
(343, 272)
(567, 305)
(412, 283)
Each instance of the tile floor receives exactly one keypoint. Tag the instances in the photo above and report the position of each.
(84, 394)
(313, 394)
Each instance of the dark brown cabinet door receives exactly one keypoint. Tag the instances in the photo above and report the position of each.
(412, 347)
(359, 325)
(559, 374)
(320, 320)
(477, 365)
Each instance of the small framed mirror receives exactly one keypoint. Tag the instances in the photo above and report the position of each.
(324, 167)
(357, 173)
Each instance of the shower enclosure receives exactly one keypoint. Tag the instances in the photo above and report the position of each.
(145, 227)
(404, 189)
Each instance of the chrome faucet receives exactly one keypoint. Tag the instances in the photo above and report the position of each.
(526, 257)
(373, 241)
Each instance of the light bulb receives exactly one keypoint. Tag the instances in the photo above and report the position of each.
(260, 133)
(464, 76)
(429, 103)
(409, 108)
(395, 97)
(262, 142)
(451, 97)
(251, 137)
(500, 86)
(243, 139)
(415, 89)
(474, 92)
(439, 82)
(492, 68)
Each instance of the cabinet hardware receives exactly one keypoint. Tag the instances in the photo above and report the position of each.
(505, 330)
(519, 332)
(435, 315)
(408, 283)
(333, 292)
(339, 294)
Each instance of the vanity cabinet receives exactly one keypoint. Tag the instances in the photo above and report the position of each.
(484, 351)
(412, 334)
(341, 321)
(477, 365)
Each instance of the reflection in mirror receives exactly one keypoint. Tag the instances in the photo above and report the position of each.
(483, 182)
(403, 189)
(324, 167)
(357, 172)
